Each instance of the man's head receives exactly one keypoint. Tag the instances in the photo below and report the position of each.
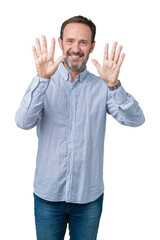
(77, 42)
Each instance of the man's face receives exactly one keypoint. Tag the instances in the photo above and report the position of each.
(76, 45)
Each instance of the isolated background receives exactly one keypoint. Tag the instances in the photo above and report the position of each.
(131, 207)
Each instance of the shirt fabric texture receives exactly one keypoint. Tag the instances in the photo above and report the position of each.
(70, 118)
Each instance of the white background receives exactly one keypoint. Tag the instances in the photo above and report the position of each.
(131, 207)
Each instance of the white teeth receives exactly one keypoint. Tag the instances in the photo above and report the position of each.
(75, 56)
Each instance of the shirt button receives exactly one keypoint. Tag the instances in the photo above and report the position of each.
(68, 177)
(72, 122)
(116, 97)
(72, 104)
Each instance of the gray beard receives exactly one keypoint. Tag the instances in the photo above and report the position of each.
(77, 68)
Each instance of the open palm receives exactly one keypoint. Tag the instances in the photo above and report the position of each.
(44, 61)
(109, 72)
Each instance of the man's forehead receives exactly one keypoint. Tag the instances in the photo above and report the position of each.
(77, 29)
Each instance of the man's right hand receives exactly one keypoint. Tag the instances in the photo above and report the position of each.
(44, 61)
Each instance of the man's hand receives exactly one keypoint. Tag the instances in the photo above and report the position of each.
(44, 61)
(111, 66)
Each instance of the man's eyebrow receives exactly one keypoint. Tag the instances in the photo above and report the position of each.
(84, 40)
(69, 38)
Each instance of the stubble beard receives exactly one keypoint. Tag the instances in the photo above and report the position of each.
(79, 67)
(75, 68)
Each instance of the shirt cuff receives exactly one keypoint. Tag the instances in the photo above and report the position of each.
(39, 81)
(119, 95)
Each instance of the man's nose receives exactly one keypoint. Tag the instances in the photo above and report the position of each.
(75, 47)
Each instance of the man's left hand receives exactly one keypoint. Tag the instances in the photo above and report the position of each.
(109, 72)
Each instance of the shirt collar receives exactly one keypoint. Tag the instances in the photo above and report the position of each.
(67, 75)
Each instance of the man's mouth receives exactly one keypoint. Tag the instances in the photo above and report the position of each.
(75, 56)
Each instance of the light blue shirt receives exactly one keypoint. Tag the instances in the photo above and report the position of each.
(71, 119)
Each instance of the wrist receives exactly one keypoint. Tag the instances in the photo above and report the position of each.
(115, 86)
(112, 84)
(43, 76)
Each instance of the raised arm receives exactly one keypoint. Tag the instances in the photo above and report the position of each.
(30, 110)
(120, 104)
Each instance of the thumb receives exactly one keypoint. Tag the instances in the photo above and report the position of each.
(59, 60)
(96, 64)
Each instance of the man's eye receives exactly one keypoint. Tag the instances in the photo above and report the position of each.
(69, 41)
(83, 42)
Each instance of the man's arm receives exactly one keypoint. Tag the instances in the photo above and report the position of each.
(30, 110)
(124, 108)
(120, 104)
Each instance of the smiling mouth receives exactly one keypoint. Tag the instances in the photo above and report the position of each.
(75, 57)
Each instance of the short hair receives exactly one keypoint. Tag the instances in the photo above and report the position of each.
(80, 19)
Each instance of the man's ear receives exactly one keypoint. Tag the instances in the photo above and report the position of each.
(60, 42)
(92, 47)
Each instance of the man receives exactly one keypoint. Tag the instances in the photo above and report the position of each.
(68, 105)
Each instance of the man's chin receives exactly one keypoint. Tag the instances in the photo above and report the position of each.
(75, 67)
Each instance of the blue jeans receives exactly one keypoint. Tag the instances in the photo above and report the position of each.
(51, 219)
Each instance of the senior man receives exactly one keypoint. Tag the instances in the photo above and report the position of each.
(68, 105)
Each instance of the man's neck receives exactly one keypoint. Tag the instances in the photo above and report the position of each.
(72, 73)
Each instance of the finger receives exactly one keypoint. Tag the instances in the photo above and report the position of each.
(121, 59)
(105, 52)
(44, 44)
(59, 60)
(34, 52)
(118, 54)
(96, 63)
(114, 66)
(113, 50)
(52, 49)
(39, 51)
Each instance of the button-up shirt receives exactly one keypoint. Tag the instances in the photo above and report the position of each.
(70, 118)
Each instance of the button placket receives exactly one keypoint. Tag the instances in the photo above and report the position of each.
(71, 142)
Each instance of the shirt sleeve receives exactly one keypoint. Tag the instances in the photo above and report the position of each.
(30, 110)
(124, 108)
